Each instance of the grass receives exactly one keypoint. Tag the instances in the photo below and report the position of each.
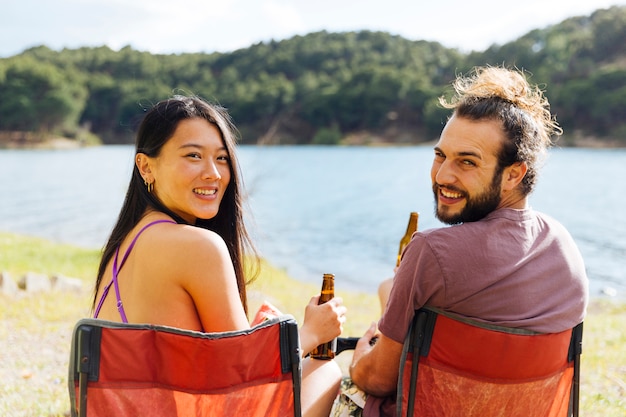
(603, 363)
(21, 254)
(35, 329)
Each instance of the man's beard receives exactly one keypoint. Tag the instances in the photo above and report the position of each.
(476, 207)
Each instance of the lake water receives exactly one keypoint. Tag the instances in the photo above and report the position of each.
(320, 209)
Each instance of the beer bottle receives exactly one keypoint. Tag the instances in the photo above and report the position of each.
(326, 351)
(410, 229)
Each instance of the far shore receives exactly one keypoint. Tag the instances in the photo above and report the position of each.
(31, 141)
(50, 143)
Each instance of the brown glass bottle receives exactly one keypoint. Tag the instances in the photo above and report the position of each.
(326, 351)
(410, 229)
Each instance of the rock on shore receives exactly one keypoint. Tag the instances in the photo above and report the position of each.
(32, 282)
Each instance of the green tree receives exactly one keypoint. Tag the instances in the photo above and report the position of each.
(327, 136)
(38, 96)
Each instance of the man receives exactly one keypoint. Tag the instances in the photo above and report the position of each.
(500, 261)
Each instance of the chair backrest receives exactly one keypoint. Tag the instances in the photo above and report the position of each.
(466, 368)
(121, 369)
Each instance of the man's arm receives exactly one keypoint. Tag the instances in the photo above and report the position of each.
(375, 368)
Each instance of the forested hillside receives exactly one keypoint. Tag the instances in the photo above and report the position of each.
(322, 88)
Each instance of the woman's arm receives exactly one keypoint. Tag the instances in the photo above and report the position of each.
(207, 274)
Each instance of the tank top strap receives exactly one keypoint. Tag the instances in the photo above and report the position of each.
(116, 268)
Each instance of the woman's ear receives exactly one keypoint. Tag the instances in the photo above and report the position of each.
(513, 175)
(143, 165)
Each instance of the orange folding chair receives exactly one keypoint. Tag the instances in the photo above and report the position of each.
(456, 367)
(121, 369)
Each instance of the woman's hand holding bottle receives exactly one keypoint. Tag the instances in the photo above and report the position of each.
(322, 322)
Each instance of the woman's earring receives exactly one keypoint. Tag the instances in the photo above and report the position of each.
(149, 185)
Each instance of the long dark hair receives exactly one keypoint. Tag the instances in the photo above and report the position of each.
(155, 130)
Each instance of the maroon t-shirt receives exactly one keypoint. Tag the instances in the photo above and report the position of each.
(514, 268)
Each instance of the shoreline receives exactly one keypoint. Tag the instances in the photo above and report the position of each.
(55, 143)
(29, 140)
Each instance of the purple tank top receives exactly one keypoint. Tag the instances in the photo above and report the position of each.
(116, 270)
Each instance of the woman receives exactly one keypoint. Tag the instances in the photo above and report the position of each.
(175, 256)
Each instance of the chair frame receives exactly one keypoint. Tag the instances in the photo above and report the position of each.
(85, 357)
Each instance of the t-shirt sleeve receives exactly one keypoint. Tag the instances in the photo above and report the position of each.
(417, 280)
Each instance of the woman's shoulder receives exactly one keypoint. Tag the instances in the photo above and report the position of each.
(184, 251)
(181, 238)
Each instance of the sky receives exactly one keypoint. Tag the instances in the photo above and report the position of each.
(177, 26)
